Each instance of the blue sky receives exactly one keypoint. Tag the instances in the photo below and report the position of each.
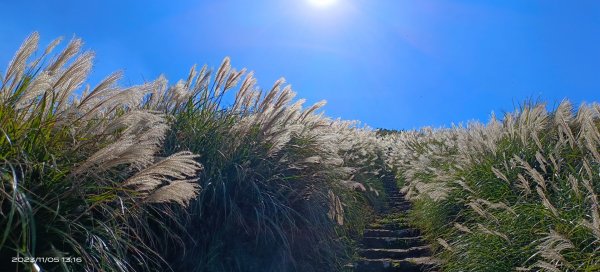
(389, 63)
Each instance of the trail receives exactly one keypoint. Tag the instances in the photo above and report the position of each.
(389, 244)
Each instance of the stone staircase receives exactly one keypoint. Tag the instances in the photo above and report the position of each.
(389, 244)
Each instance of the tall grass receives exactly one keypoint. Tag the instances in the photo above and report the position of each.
(519, 193)
(280, 181)
(161, 177)
(79, 175)
(156, 177)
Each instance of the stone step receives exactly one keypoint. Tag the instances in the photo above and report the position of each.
(402, 205)
(399, 209)
(392, 242)
(404, 229)
(389, 226)
(389, 265)
(398, 200)
(394, 253)
(394, 195)
(408, 232)
(397, 197)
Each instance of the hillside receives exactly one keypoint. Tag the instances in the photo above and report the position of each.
(168, 177)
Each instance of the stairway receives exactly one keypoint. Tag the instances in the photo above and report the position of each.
(389, 244)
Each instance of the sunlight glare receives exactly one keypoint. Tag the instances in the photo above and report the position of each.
(322, 3)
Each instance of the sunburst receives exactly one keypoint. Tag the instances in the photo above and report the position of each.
(322, 3)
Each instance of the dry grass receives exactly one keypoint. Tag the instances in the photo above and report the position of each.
(74, 169)
(530, 180)
(113, 176)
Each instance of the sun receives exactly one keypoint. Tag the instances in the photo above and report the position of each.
(322, 3)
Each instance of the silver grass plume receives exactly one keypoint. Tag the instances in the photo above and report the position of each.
(105, 89)
(41, 84)
(550, 249)
(445, 244)
(594, 224)
(17, 66)
(546, 201)
(62, 58)
(336, 211)
(179, 191)
(562, 117)
(71, 79)
(178, 166)
(486, 230)
(136, 146)
(462, 228)
(589, 136)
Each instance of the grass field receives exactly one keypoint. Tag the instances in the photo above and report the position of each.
(519, 193)
(170, 177)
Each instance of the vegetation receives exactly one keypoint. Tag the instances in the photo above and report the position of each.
(157, 177)
(516, 194)
(161, 177)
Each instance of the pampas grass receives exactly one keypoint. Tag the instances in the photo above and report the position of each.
(518, 193)
(168, 177)
(74, 168)
(282, 185)
(159, 177)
